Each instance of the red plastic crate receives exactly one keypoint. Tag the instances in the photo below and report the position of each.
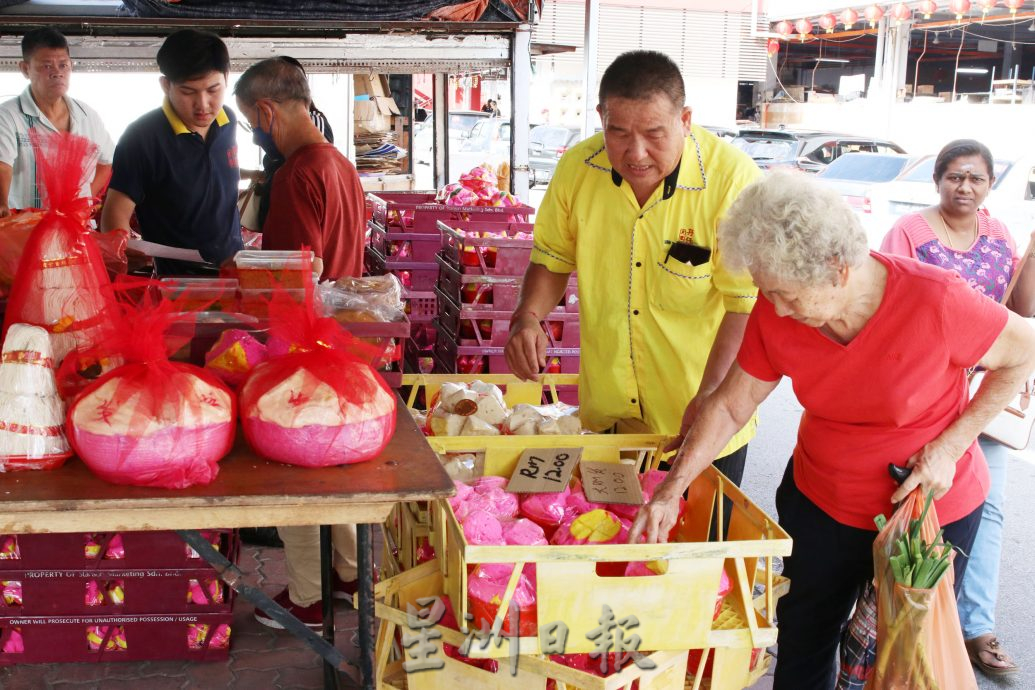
(478, 327)
(486, 255)
(118, 592)
(453, 358)
(147, 638)
(68, 551)
(421, 305)
(415, 275)
(419, 361)
(403, 246)
(418, 212)
(491, 293)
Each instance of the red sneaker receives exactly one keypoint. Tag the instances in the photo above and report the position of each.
(311, 616)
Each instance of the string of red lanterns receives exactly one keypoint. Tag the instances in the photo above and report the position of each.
(873, 13)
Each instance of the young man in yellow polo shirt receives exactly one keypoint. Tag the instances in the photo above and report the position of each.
(635, 210)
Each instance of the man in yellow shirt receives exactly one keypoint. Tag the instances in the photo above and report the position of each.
(635, 211)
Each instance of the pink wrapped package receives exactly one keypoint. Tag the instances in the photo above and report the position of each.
(522, 532)
(116, 592)
(197, 633)
(463, 494)
(94, 595)
(649, 481)
(482, 527)
(115, 551)
(425, 551)
(12, 592)
(9, 548)
(204, 594)
(488, 484)
(546, 510)
(14, 643)
(485, 590)
(116, 640)
(456, 194)
(212, 538)
(504, 199)
(577, 503)
(595, 527)
(480, 180)
(235, 354)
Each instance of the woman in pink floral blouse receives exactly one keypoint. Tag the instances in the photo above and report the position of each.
(959, 235)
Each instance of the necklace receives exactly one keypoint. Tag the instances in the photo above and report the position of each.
(948, 232)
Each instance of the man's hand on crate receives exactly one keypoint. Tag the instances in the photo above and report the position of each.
(526, 346)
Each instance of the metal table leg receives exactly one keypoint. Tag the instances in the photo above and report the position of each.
(365, 565)
(335, 663)
(331, 677)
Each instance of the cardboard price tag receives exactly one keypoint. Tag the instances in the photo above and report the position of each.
(609, 482)
(544, 470)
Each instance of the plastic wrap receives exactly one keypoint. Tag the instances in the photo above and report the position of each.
(546, 510)
(595, 527)
(372, 298)
(486, 586)
(152, 422)
(321, 404)
(234, 355)
(32, 414)
(61, 283)
(522, 532)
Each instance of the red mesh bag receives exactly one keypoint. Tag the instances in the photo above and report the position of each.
(317, 403)
(152, 422)
(61, 283)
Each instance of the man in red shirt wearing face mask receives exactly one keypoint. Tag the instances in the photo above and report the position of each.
(316, 198)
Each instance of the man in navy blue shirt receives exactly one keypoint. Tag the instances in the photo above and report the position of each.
(177, 166)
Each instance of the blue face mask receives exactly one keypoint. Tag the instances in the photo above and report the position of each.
(264, 139)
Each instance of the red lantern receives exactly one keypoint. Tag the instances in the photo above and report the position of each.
(928, 7)
(784, 28)
(827, 22)
(1014, 5)
(985, 6)
(873, 15)
(803, 27)
(901, 13)
(772, 47)
(849, 17)
(960, 7)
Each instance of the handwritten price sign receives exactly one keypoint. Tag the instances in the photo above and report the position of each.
(609, 482)
(544, 471)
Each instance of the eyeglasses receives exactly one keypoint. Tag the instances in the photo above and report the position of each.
(958, 178)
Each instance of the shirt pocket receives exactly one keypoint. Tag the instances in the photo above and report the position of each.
(676, 286)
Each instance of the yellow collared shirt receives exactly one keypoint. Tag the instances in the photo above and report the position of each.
(178, 125)
(647, 323)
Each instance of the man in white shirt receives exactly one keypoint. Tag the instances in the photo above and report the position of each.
(45, 105)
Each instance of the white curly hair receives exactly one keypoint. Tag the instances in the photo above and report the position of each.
(790, 227)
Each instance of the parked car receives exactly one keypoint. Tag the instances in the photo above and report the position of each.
(855, 175)
(1011, 199)
(546, 145)
(461, 122)
(810, 151)
(726, 133)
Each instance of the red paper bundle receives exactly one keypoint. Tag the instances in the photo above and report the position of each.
(152, 422)
(62, 284)
(320, 404)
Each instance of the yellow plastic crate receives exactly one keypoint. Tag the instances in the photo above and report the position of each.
(675, 609)
(532, 671)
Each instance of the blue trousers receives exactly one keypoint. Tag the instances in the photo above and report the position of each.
(980, 588)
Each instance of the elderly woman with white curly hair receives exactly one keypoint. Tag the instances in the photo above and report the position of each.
(874, 350)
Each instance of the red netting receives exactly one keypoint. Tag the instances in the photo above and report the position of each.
(61, 280)
(151, 422)
(317, 402)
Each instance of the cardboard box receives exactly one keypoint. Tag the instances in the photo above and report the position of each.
(925, 90)
(371, 85)
(375, 114)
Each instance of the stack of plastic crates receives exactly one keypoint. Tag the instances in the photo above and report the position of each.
(480, 273)
(113, 596)
(403, 239)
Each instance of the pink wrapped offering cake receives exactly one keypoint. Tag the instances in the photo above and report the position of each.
(234, 355)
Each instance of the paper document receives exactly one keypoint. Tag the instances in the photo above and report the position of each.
(162, 251)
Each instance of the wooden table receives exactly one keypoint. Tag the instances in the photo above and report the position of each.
(248, 492)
